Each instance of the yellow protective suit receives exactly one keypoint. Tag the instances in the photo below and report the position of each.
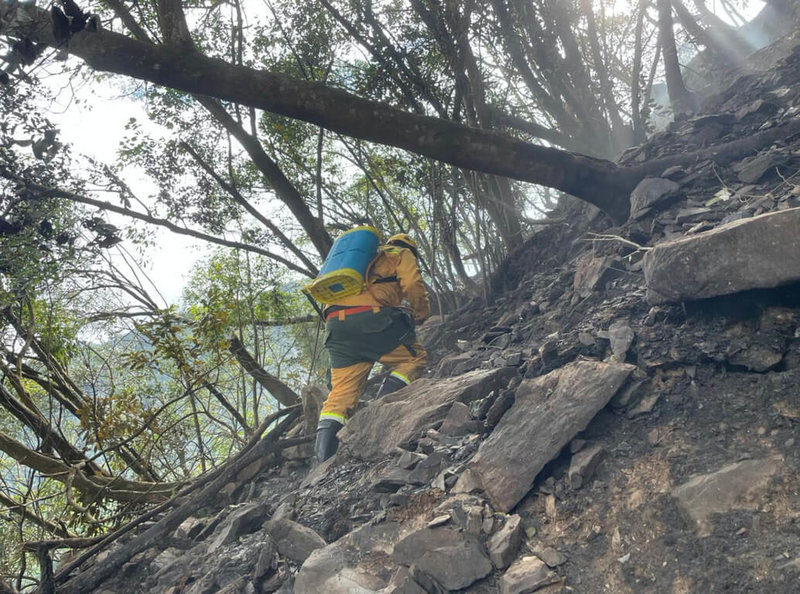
(370, 327)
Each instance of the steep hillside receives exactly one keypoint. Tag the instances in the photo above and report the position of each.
(619, 415)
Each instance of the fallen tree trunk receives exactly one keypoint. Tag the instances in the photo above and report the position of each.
(116, 488)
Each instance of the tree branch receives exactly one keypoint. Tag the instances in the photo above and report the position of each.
(280, 391)
(22, 510)
(46, 192)
(597, 181)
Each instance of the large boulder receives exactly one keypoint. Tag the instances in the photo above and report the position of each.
(400, 418)
(454, 559)
(357, 563)
(760, 252)
(548, 412)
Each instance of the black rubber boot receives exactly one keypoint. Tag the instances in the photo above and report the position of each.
(327, 443)
(392, 383)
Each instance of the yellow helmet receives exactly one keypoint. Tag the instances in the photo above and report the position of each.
(404, 240)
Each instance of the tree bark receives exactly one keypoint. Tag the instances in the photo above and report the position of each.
(683, 102)
(639, 131)
(284, 189)
(282, 393)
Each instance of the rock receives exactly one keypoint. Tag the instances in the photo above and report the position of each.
(399, 418)
(388, 479)
(402, 582)
(631, 393)
(428, 468)
(166, 558)
(459, 421)
(759, 106)
(294, 541)
(576, 445)
(466, 483)
(238, 586)
(241, 521)
(439, 521)
(694, 214)
(466, 512)
(592, 273)
(759, 252)
(621, 336)
(758, 358)
(267, 559)
(499, 407)
(650, 192)
(527, 575)
(504, 544)
(463, 361)
(735, 486)
(548, 412)
(189, 528)
(645, 406)
(583, 466)
(451, 558)
(753, 169)
(674, 172)
(342, 567)
(551, 557)
(408, 460)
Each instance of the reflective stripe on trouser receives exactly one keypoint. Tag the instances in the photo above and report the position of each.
(347, 383)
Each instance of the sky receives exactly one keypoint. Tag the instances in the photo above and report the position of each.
(101, 107)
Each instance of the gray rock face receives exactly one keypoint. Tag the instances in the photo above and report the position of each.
(504, 544)
(241, 521)
(591, 273)
(401, 417)
(621, 336)
(357, 563)
(583, 466)
(735, 486)
(451, 558)
(760, 252)
(753, 169)
(527, 575)
(551, 557)
(650, 192)
(458, 421)
(548, 412)
(294, 541)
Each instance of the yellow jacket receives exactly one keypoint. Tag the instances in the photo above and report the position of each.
(401, 263)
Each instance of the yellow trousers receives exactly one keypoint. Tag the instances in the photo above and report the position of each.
(347, 383)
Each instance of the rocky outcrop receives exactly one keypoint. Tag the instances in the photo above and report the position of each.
(401, 418)
(450, 558)
(760, 252)
(548, 412)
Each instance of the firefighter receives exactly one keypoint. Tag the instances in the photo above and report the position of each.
(369, 327)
